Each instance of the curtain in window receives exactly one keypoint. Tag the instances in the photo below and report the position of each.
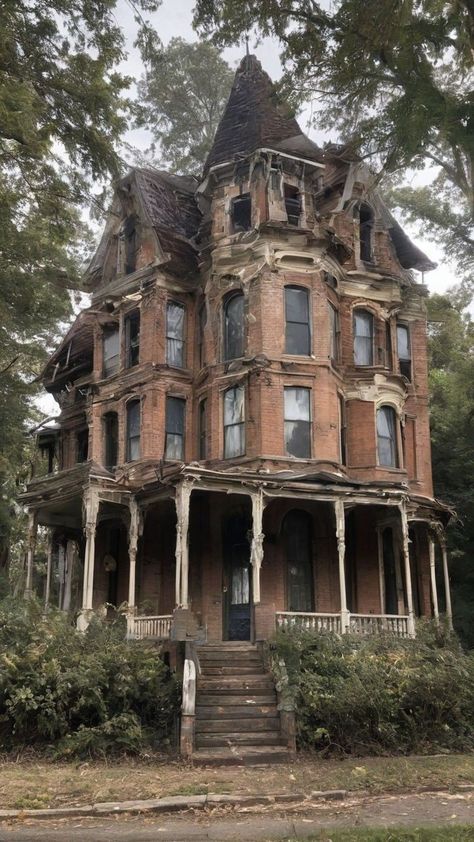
(363, 338)
(234, 327)
(133, 431)
(174, 423)
(175, 334)
(298, 422)
(387, 437)
(234, 417)
(404, 350)
(111, 349)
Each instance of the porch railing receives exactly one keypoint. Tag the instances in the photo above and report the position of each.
(150, 628)
(362, 624)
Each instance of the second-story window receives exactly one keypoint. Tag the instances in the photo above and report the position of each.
(174, 426)
(234, 422)
(234, 327)
(202, 319)
(82, 445)
(342, 430)
(388, 344)
(387, 445)
(132, 339)
(203, 429)
(366, 224)
(298, 422)
(175, 334)
(404, 350)
(111, 351)
(292, 204)
(111, 440)
(133, 430)
(297, 328)
(363, 337)
(334, 334)
(241, 213)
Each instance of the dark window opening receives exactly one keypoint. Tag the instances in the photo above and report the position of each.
(174, 428)
(388, 345)
(48, 451)
(366, 222)
(387, 437)
(330, 280)
(202, 320)
(234, 422)
(129, 233)
(297, 328)
(203, 429)
(132, 339)
(335, 334)
(390, 573)
(342, 431)
(111, 350)
(175, 334)
(234, 327)
(111, 439)
(82, 445)
(241, 213)
(133, 430)
(404, 350)
(363, 338)
(298, 422)
(292, 204)
(297, 531)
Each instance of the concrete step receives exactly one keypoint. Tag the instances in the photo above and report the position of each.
(244, 738)
(251, 709)
(253, 724)
(245, 700)
(241, 756)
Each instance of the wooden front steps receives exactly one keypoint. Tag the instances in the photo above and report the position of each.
(237, 719)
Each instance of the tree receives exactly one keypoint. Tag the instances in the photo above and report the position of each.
(394, 77)
(182, 97)
(62, 112)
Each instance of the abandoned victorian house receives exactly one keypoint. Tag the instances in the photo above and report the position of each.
(243, 442)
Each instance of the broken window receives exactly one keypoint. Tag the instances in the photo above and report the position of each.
(363, 337)
(111, 439)
(241, 212)
(174, 428)
(130, 239)
(387, 437)
(366, 222)
(234, 327)
(298, 422)
(132, 338)
(297, 531)
(292, 204)
(234, 422)
(111, 351)
(82, 445)
(342, 431)
(297, 333)
(334, 334)
(404, 350)
(202, 318)
(175, 334)
(133, 430)
(203, 429)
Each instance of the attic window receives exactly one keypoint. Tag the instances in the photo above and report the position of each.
(366, 222)
(292, 204)
(130, 239)
(241, 213)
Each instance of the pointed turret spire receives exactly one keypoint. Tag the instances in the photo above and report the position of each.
(256, 117)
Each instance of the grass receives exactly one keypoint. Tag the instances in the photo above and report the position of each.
(455, 833)
(39, 783)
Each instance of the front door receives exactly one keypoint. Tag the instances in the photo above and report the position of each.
(237, 580)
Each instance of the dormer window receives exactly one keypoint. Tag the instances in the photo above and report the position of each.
(241, 212)
(366, 224)
(292, 204)
(130, 240)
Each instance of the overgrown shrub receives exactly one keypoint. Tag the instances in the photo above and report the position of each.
(380, 694)
(83, 694)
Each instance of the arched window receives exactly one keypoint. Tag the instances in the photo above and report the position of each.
(363, 337)
(133, 430)
(366, 222)
(234, 326)
(297, 532)
(297, 328)
(110, 439)
(387, 446)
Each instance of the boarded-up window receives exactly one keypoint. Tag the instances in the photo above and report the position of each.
(175, 414)
(298, 545)
(234, 327)
(297, 328)
(234, 422)
(175, 334)
(387, 437)
(298, 422)
(363, 337)
(111, 350)
(133, 430)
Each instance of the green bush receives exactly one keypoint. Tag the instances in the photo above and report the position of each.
(84, 694)
(379, 694)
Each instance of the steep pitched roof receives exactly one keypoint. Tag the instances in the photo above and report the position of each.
(255, 117)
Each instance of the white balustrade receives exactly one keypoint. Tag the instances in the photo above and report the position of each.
(150, 628)
(310, 622)
(362, 624)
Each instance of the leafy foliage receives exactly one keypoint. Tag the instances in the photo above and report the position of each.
(85, 694)
(182, 98)
(380, 695)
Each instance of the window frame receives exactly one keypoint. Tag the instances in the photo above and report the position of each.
(299, 288)
(129, 318)
(130, 440)
(307, 421)
(79, 434)
(334, 334)
(355, 313)
(366, 242)
(342, 429)
(241, 424)
(107, 416)
(405, 362)
(171, 302)
(236, 294)
(293, 201)
(395, 442)
(107, 333)
(182, 435)
(242, 199)
(202, 428)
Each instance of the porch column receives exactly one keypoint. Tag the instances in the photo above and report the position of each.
(256, 551)
(49, 564)
(406, 558)
(134, 532)
(182, 502)
(70, 559)
(447, 588)
(434, 589)
(91, 510)
(341, 549)
(32, 533)
(381, 570)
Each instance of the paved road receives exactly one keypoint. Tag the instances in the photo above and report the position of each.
(253, 824)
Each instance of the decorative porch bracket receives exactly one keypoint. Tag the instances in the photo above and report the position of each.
(32, 533)
(182, 502)
(406, 558)
(341, 550)
(256, 550)
(90, 513)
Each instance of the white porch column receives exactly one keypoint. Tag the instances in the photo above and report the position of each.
(182, 502)
(341, 549)
(70, 560)
(447, 587)
(434, 589)
(406, 558)
(91, 510)
(49, 564)
(256, 551)
(32, 533)
(134, 532)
